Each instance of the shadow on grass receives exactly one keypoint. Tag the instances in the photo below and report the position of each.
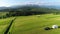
(58, 26)
(48, 28)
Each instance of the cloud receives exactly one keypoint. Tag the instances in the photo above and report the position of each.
(50, 3)
(21, 2)
(40, 3)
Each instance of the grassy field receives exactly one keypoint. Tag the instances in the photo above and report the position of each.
(4, 24)
(35, 24)
(3, 13)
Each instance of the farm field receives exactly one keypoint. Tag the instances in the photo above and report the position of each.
(35, 24)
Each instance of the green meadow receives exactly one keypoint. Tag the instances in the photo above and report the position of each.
(3, 13)
(35, 24)
(4, 23)
(29, 19)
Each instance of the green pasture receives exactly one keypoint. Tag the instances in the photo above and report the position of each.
(4, 23)
(35, 24)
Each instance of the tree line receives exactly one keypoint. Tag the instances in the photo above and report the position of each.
(30, 10)
(26, 11)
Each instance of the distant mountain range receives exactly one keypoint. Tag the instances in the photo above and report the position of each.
(43, 6)
(54, 7)
(25, 6)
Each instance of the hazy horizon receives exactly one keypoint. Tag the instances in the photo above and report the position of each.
(8, 3)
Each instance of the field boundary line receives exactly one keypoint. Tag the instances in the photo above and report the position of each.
(8, 28)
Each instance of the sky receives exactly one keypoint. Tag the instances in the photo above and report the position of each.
(8, 3)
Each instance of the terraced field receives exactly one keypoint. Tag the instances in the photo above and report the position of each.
(35, 24)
